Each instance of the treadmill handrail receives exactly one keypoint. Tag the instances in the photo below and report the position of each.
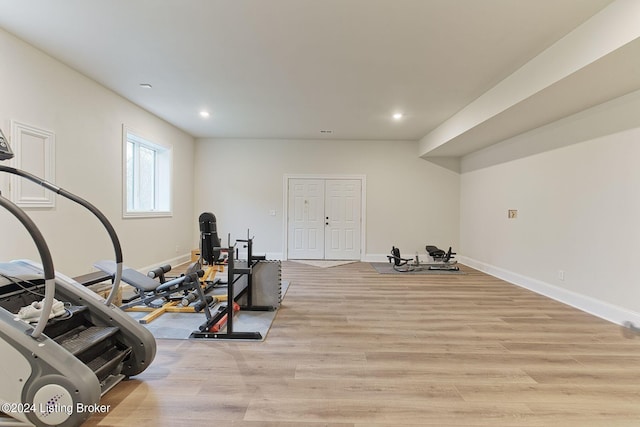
(101, 217)
(47, 262)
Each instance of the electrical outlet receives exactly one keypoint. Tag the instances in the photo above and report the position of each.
(512, 213)
(177, 249)
(561, 274)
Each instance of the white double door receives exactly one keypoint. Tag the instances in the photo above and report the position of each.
(324, 218)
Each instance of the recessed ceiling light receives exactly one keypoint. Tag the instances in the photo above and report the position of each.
(204, 114)
(397, 116)
(146, 85)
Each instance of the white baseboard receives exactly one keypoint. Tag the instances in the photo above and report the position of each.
(375, 258)
(601, 309)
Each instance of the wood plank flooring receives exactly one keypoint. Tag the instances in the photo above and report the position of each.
(350, 347)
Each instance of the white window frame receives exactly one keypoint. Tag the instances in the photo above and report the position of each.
(163, 187)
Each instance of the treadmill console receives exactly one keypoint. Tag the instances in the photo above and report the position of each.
(5, 150)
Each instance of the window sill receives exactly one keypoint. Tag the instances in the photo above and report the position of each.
(147, 214)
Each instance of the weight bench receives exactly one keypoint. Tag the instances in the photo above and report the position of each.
(149, 290)
(439, 255)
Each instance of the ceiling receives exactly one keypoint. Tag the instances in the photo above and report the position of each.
(612, 76)
(319, 69)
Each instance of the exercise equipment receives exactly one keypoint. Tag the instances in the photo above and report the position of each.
(441, 260)
(241, 286)
(405, 265)
(192, 296)
(223, 319)
(439, 255)
(160, 296)
(150, 290)
(211, 254)
(400, 264)
(52, 368)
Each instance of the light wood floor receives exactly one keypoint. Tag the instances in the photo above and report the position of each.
(350, 347)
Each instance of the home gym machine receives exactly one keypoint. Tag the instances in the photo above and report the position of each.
(184, 294)
(211, 256)
(157, 297)
(443, 262)
(438, 255)
(241, 284)
(55, 371)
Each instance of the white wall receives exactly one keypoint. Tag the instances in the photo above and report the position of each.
(87, 121)
(578, 213)
(409, 202)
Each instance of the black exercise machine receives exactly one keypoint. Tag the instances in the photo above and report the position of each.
(438, 254)
(161, 296)
(237, 290)
(211, 254)
(149, 290)
(400, 264)
(443, 261)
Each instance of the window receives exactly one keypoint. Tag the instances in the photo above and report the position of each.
(147, 180)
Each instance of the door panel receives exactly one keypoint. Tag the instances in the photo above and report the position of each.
(343, 207)
(306, 219)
